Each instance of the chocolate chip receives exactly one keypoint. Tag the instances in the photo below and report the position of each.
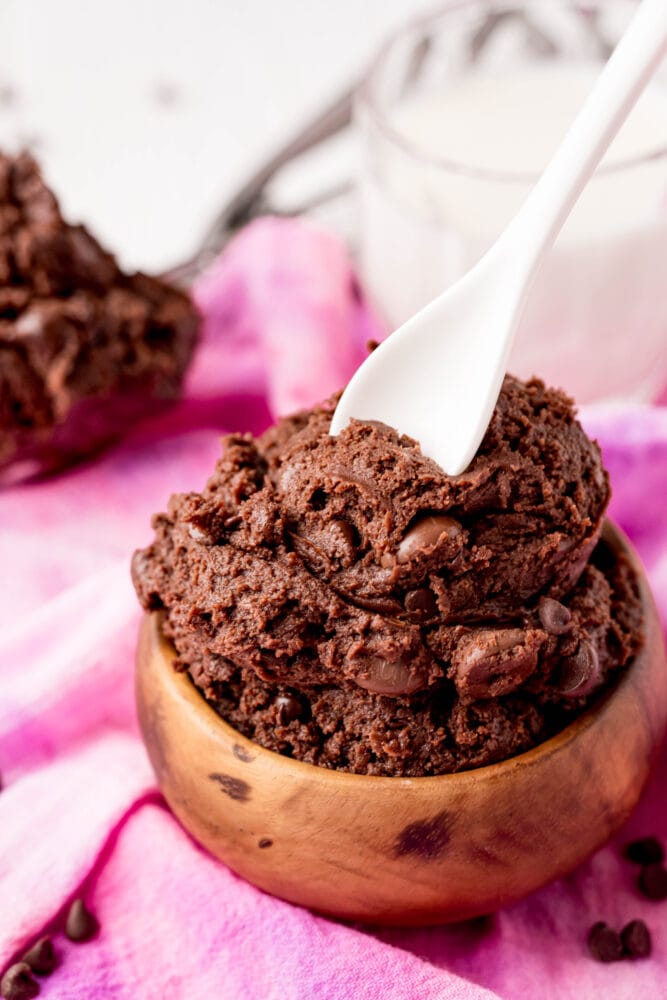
(578, 674)
(555, 617)
(288, 709)
(389, 677)
(645, 851)
(42, 957)
(425, 533)
(636, 939)
(265, 842)
(420, 603)
(491, 662)
(81, 924)
(604, 943)
(652, 881)
(18, 983)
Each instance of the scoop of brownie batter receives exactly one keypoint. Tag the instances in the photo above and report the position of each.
(84, 349)
(344, 601)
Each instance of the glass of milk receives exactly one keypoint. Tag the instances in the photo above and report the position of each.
(459, 114)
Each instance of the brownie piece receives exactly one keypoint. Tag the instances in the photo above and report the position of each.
(85, 349)
(343, 601)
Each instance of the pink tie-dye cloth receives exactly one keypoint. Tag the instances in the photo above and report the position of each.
(79, 813)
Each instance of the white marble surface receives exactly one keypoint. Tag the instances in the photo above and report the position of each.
(147, 113)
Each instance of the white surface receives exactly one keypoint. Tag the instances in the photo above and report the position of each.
(437, 378)
(82, 81)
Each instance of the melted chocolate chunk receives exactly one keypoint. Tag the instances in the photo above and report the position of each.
(425, 534)
(389, 677)
(492, 662)
(554, 616)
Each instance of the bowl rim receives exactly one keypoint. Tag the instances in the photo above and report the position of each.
(184, 688)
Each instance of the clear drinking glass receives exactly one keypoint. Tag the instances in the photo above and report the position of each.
(596, 321)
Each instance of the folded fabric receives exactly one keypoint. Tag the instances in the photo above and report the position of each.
(284, 325)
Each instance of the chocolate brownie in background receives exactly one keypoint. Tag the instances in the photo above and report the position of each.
(85, 350)
(344, 602)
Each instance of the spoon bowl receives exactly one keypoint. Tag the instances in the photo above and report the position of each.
(404, 850)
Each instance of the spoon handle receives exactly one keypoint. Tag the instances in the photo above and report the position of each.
(636, 57)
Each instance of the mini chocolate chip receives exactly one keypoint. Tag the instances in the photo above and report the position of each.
(604, 943)
(636, 939)
(652, 881)
(555, 617)
(265, 842)
(577, 674)
(288, 709)
(645, 851)
(42, 957)
(81, 924)
(389, 677)
(18, 983)
(425, 533)
(421, 603)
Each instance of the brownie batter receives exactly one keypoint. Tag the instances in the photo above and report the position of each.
(84, 349)
(343, 601)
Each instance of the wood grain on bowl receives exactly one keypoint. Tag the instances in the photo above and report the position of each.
(404, 850)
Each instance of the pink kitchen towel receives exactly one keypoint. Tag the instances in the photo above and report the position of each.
(284, 325)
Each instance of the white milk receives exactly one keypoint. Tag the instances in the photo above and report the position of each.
(596, 322)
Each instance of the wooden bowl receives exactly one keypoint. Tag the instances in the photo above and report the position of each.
(394, 850)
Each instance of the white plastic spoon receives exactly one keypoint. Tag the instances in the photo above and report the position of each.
(437, 377)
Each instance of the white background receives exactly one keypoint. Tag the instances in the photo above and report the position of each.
(146, 114)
